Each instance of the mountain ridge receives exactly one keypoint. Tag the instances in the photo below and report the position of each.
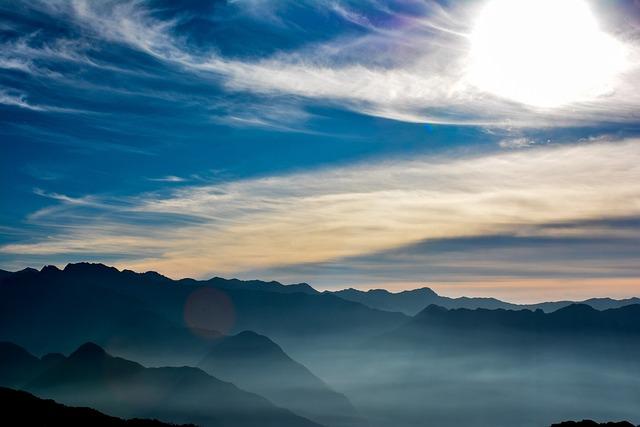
(91, 377)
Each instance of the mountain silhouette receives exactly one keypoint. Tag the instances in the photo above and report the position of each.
(590, 423)
(91, 377)
(576, 328)
(256, 363)
(413, 301)
(16, 364)
(152, 318)
(23, 409)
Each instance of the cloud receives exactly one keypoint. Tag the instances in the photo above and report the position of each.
(512, 143)
(168, 178)
(339, 212)
(13, 98)
(18, 100)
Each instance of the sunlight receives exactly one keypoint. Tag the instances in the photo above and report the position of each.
(544, 53)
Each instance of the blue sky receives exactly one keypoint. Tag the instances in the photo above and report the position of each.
(344, 143)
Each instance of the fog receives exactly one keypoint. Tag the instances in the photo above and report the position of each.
(414, 388)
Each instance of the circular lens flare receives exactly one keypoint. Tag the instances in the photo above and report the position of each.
(544, 53)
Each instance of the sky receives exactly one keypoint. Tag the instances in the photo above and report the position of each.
(487, 147)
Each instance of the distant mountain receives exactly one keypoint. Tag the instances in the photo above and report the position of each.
(21, 409)
(412, 301)
(91, 377)
(573, 328)
(255, 363)
(17, 365)
(590, 423)
(152, 318)
(259, 285)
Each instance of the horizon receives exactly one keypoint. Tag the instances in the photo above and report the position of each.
(449, 291)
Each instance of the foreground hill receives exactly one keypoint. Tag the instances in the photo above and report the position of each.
(91, 377)
(152, 318)
(256, 363)
(413, 301)
(26, 410)
(590, 423)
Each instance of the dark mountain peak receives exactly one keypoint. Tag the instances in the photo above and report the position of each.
(424, 291)
(89, 268)
(432, 309)
(148, 275)
(591, 423)
(260, 285)
(26, 271)
(377, 291)
(575, 310)
(9, 350)
(88, 351)
(50, 269)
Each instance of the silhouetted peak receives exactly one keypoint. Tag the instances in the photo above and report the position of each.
(50, 269)
(378, 291)
(591, 423)
(9, 349)
(149, 275)
(27, 270)
(432, 309)
(89, 268)
(425, 291)
(575, 309)
(89, 351)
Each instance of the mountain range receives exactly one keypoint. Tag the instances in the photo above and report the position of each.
(155, 319)
(91, 377)
(24, 409)
(222, 352)
(413, 301)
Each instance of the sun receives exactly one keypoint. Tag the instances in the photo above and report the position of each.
(543, 53)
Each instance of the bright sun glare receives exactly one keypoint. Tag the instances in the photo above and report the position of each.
(544, 53)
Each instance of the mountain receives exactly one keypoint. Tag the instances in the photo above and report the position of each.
(259, 285)
(23, 409)
(91, 377)
(152, 318)
(590, 423)
(16, 364)
(573, 328)
(412, 301)
(255, 363)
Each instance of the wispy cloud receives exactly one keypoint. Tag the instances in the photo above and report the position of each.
(423, 77)
(168, 178)
(521, 142)
(333, 213)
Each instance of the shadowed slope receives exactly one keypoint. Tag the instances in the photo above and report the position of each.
(24, 409)
(256, 363)
(590, 423)
(91, 377)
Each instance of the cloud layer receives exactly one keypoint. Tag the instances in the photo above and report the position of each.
(340, 212)
(406, 64)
